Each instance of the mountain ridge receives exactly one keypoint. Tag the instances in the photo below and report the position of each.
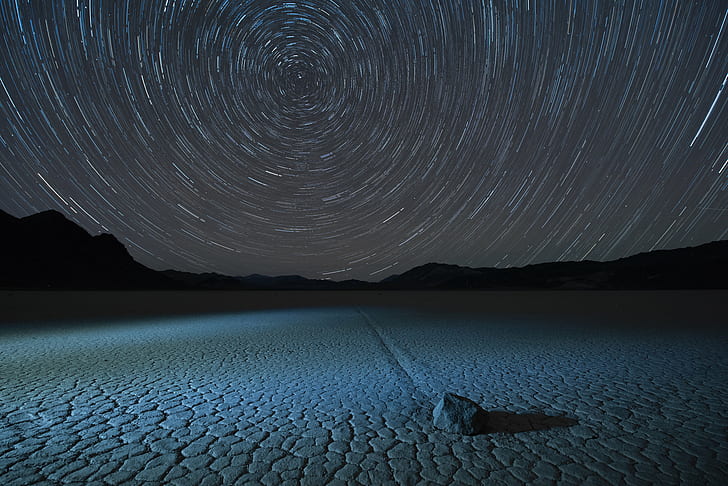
(48, 251)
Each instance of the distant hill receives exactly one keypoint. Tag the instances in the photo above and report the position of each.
(216, 281)
(700, 267)
(47, 251)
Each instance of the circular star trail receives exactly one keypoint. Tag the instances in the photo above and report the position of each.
(358, 138)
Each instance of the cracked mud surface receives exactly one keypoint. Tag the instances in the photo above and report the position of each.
(345, 395)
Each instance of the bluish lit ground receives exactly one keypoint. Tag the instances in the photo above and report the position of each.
(345, 394)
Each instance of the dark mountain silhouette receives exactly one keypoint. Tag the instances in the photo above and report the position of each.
(207, 281)
(700, 267)
(48, 251)
(294, 282)
(216, 281)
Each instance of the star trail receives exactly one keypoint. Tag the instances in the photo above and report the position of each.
(359, 138)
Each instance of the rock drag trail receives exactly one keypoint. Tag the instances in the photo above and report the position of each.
(344, 395)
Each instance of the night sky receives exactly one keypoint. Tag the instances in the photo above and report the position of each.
(359, 138)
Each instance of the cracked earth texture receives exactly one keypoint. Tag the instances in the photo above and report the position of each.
(345, 395)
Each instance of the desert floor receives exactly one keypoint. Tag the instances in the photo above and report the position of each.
(315, 387)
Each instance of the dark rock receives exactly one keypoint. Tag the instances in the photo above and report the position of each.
(459, 415)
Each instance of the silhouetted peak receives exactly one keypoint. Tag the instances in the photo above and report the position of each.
(47, 215)
(435, 268)
(47, 250)
(719, 247)
(54, 224)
